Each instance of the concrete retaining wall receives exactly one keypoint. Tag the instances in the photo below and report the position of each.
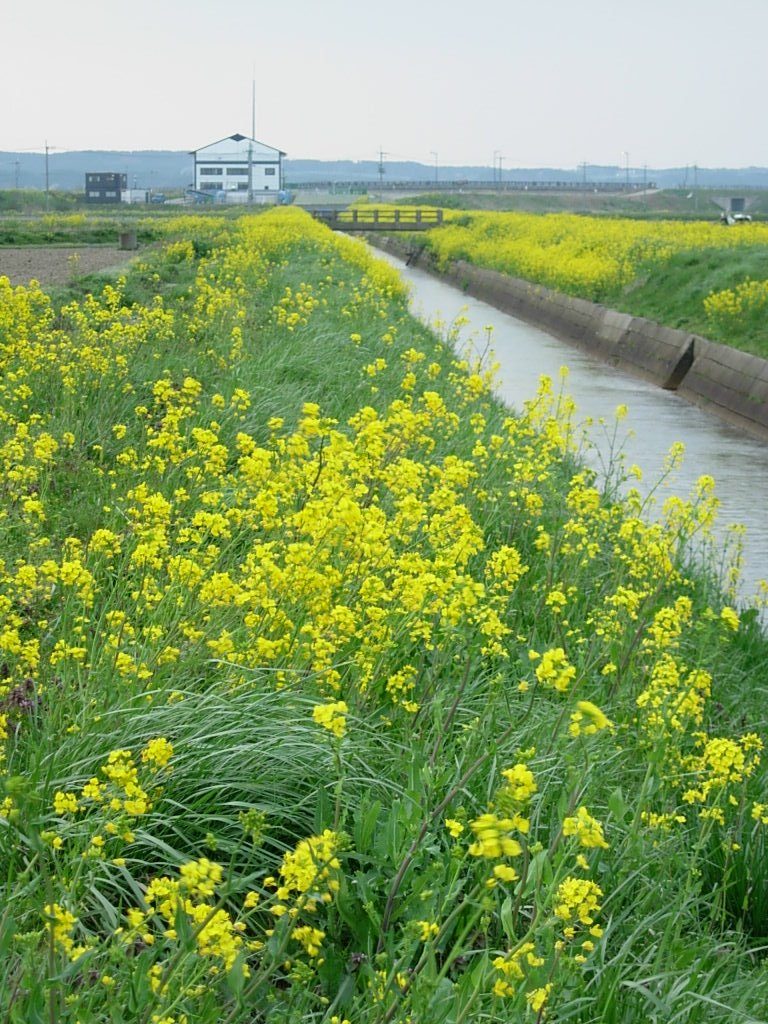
(729, 383)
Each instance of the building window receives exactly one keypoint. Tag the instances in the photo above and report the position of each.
(269, 170)
(211, 170)
(237, 170)
(242, 186)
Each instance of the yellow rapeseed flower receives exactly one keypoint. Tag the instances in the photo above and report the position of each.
(332, 716)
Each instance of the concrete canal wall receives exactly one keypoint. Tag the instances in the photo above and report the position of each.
(723, 380)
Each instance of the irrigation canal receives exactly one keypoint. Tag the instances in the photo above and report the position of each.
(655, 421)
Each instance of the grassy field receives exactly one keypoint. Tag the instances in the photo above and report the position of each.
(334, 692)
(33, 201)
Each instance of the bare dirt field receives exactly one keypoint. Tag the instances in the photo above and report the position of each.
(54, 264)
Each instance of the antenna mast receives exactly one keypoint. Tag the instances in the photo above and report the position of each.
(253, 136)
(253, 104)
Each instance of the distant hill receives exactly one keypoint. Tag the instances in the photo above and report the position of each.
(156, 169)
(172, 170)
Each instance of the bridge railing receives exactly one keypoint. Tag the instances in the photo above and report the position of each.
(376, 216)
(379, 217)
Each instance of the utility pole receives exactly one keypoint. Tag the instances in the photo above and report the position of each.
(250, 172)
(498, 157)
(626, 171)
(47, 189)
(16, 164)
(695, 186)
(382, 154)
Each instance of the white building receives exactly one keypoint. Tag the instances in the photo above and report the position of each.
(134, 195)
(242, 169)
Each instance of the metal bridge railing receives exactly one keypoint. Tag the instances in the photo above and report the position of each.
(377, 218)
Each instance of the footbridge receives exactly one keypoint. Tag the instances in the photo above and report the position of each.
(380, 219)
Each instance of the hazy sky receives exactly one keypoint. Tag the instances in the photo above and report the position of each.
(545, 82)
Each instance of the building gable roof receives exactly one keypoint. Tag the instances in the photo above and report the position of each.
(237, 137)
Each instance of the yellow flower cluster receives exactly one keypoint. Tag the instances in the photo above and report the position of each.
(493, 838)
(733, 306)
(494, 832)
(62, 924)
(157, 752)
(332, 716)
(427, 930)
(586, 256)
(587, 829)
(588, 719)
(554, 670)
(512, 968)
(311, 870)
(117, 799)
(720, 765)
(310, 938)
(700, 770)
(577, 901)
(218, 938)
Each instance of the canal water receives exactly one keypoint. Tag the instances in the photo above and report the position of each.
(656, 419)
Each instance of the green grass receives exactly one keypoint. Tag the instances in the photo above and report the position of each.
(674, 293)
(94, 231)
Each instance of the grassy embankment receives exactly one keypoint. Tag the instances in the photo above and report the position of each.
(701, 277)
(675, 294)
(332, 692)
